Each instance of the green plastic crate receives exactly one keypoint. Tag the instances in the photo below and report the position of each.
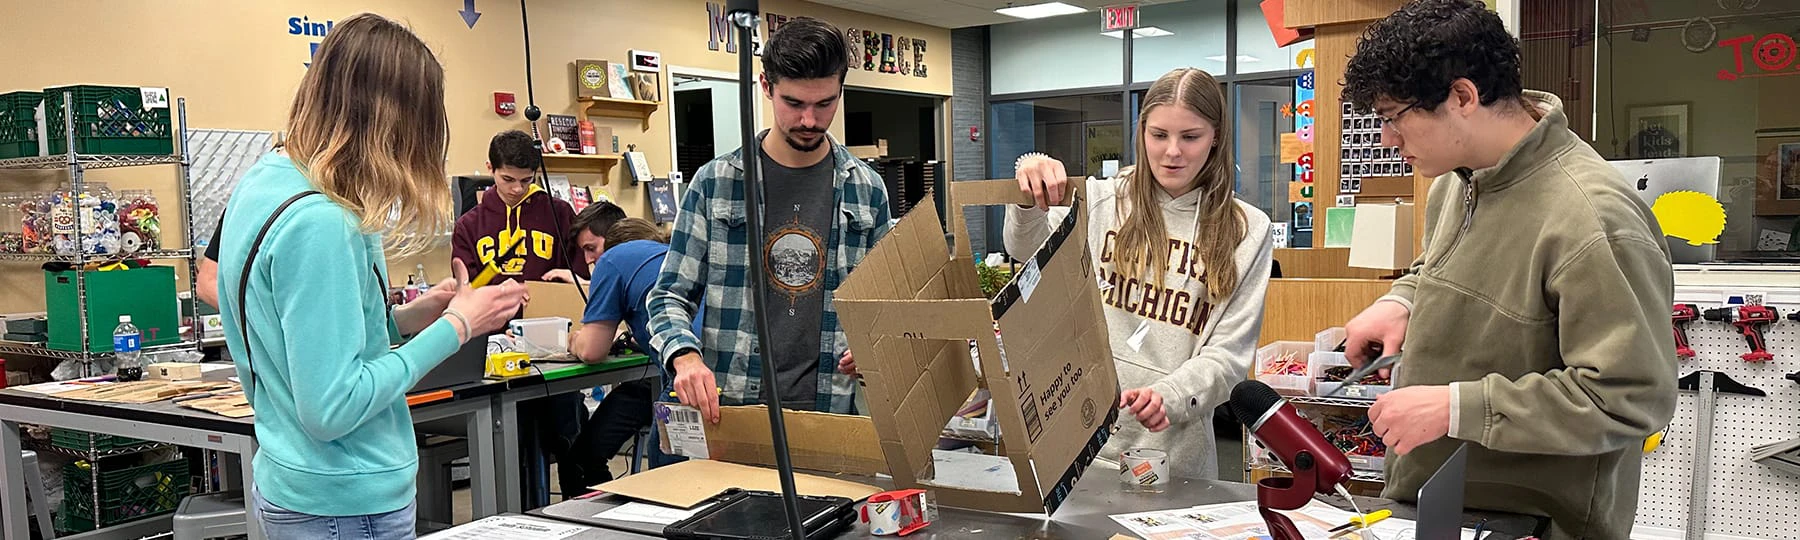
(126, 494)
(18, 124)
(111, 120)
(79, 441)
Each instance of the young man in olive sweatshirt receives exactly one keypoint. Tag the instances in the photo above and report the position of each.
(1535, 325)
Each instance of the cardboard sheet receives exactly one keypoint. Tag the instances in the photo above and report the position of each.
(692, 482)
(833, 443)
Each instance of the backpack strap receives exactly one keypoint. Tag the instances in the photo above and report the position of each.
(244, 282)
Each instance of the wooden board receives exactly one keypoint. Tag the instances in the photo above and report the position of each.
(1334, 45)
(229, 406)
(145, 391)
(1297, 309)
(1321, 13)
(1324, 263)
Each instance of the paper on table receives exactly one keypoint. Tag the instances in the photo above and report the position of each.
(692, 482)
(1241, 521)
(52, 388)
(649, 513)
(510, 528)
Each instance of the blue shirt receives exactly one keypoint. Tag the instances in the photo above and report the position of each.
(334, 433)
(622, 281)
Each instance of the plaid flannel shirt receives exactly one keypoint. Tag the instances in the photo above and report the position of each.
(708, 261)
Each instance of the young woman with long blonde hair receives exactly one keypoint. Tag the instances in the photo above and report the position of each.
(1183, 265)
(303, 286)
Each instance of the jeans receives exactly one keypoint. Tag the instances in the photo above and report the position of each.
(281, 524)
(623, 412)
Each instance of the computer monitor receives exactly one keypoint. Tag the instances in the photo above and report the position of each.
(1651, 178)
(466, 190)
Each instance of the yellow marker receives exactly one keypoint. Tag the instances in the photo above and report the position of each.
(1367, 520)
(1652, 443)
(721, 392)
(1690, 215)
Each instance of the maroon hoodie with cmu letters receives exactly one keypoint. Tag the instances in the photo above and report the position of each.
(492, 225)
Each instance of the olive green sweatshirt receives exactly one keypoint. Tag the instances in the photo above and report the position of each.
(1542, 299)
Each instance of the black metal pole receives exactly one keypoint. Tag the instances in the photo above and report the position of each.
(743, 15)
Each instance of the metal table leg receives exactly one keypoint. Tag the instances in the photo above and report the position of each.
(483, 472)
(507, 431)
(13, 519)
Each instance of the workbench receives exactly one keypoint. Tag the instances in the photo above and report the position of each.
(1084, 515)
(493, 443)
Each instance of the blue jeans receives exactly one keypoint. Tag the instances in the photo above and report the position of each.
(282, 524)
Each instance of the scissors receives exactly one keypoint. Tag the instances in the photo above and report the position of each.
(1358, 374)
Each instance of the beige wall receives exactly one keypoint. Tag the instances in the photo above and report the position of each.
(237, 65)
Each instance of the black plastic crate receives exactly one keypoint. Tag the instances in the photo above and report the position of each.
(111, 120)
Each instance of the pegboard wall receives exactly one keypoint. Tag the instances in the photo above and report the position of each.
(1744, 498)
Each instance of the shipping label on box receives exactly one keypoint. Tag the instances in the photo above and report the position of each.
(911, 310)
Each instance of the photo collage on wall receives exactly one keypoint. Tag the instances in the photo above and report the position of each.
(1361, 155)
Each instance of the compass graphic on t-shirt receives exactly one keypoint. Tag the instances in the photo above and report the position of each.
(794, 259)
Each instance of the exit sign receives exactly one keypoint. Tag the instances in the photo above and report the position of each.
(1118, 18)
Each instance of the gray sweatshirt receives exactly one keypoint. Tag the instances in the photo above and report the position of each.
(1191, 352)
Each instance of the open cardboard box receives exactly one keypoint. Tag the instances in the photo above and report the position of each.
(823, 442)
(910, 312)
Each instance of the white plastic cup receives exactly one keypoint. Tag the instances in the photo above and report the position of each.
(1144, 470)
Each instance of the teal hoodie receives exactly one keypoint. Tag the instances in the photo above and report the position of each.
(335, 435)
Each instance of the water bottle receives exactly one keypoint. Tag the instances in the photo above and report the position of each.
(127, 348)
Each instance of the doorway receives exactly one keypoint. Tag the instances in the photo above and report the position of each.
(908, 122)
(704, 117)
(1265, 112)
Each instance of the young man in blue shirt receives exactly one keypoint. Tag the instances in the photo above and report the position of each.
(626, 255)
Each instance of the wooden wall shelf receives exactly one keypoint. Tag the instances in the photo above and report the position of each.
(619, 108)
(601, 164)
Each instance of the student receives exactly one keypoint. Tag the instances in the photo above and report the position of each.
(1535, 324)
(307, 319)
(626, 261)
(826, 209)
(521, 209)
(1185, 265)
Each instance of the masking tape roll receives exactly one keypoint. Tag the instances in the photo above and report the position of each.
(1144, 467)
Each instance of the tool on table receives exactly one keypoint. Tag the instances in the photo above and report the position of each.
(1356, 377)
(900, 512)
(1684, 314)
(1708, 384)
(1360, 522)
(1750, 320)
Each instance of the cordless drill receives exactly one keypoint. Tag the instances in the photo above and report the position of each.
(1684, 313)
(1749, 320)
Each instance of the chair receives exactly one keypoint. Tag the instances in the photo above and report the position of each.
(34, 494)
(211, 515)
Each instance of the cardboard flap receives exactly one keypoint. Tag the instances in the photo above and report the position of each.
(692, 482)
(836, 443)
(554, 299)
(995, 192)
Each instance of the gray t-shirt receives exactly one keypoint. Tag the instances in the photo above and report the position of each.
(799, 217)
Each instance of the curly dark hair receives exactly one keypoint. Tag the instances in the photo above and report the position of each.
(514, 148)
(1415, 54)
(806, 48)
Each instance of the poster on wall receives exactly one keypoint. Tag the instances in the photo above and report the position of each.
(1659, 131)
(1103, 142)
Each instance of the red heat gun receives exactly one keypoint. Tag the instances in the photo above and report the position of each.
(1749, 320)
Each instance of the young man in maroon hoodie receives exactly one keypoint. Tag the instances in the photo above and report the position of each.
(516, 207)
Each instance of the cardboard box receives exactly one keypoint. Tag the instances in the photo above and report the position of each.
(910, 312)
(1382, 236)
(823, 442)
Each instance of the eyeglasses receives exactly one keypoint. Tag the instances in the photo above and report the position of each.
(1387, 120)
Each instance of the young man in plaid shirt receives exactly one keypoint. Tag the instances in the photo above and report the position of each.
(824, 211)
